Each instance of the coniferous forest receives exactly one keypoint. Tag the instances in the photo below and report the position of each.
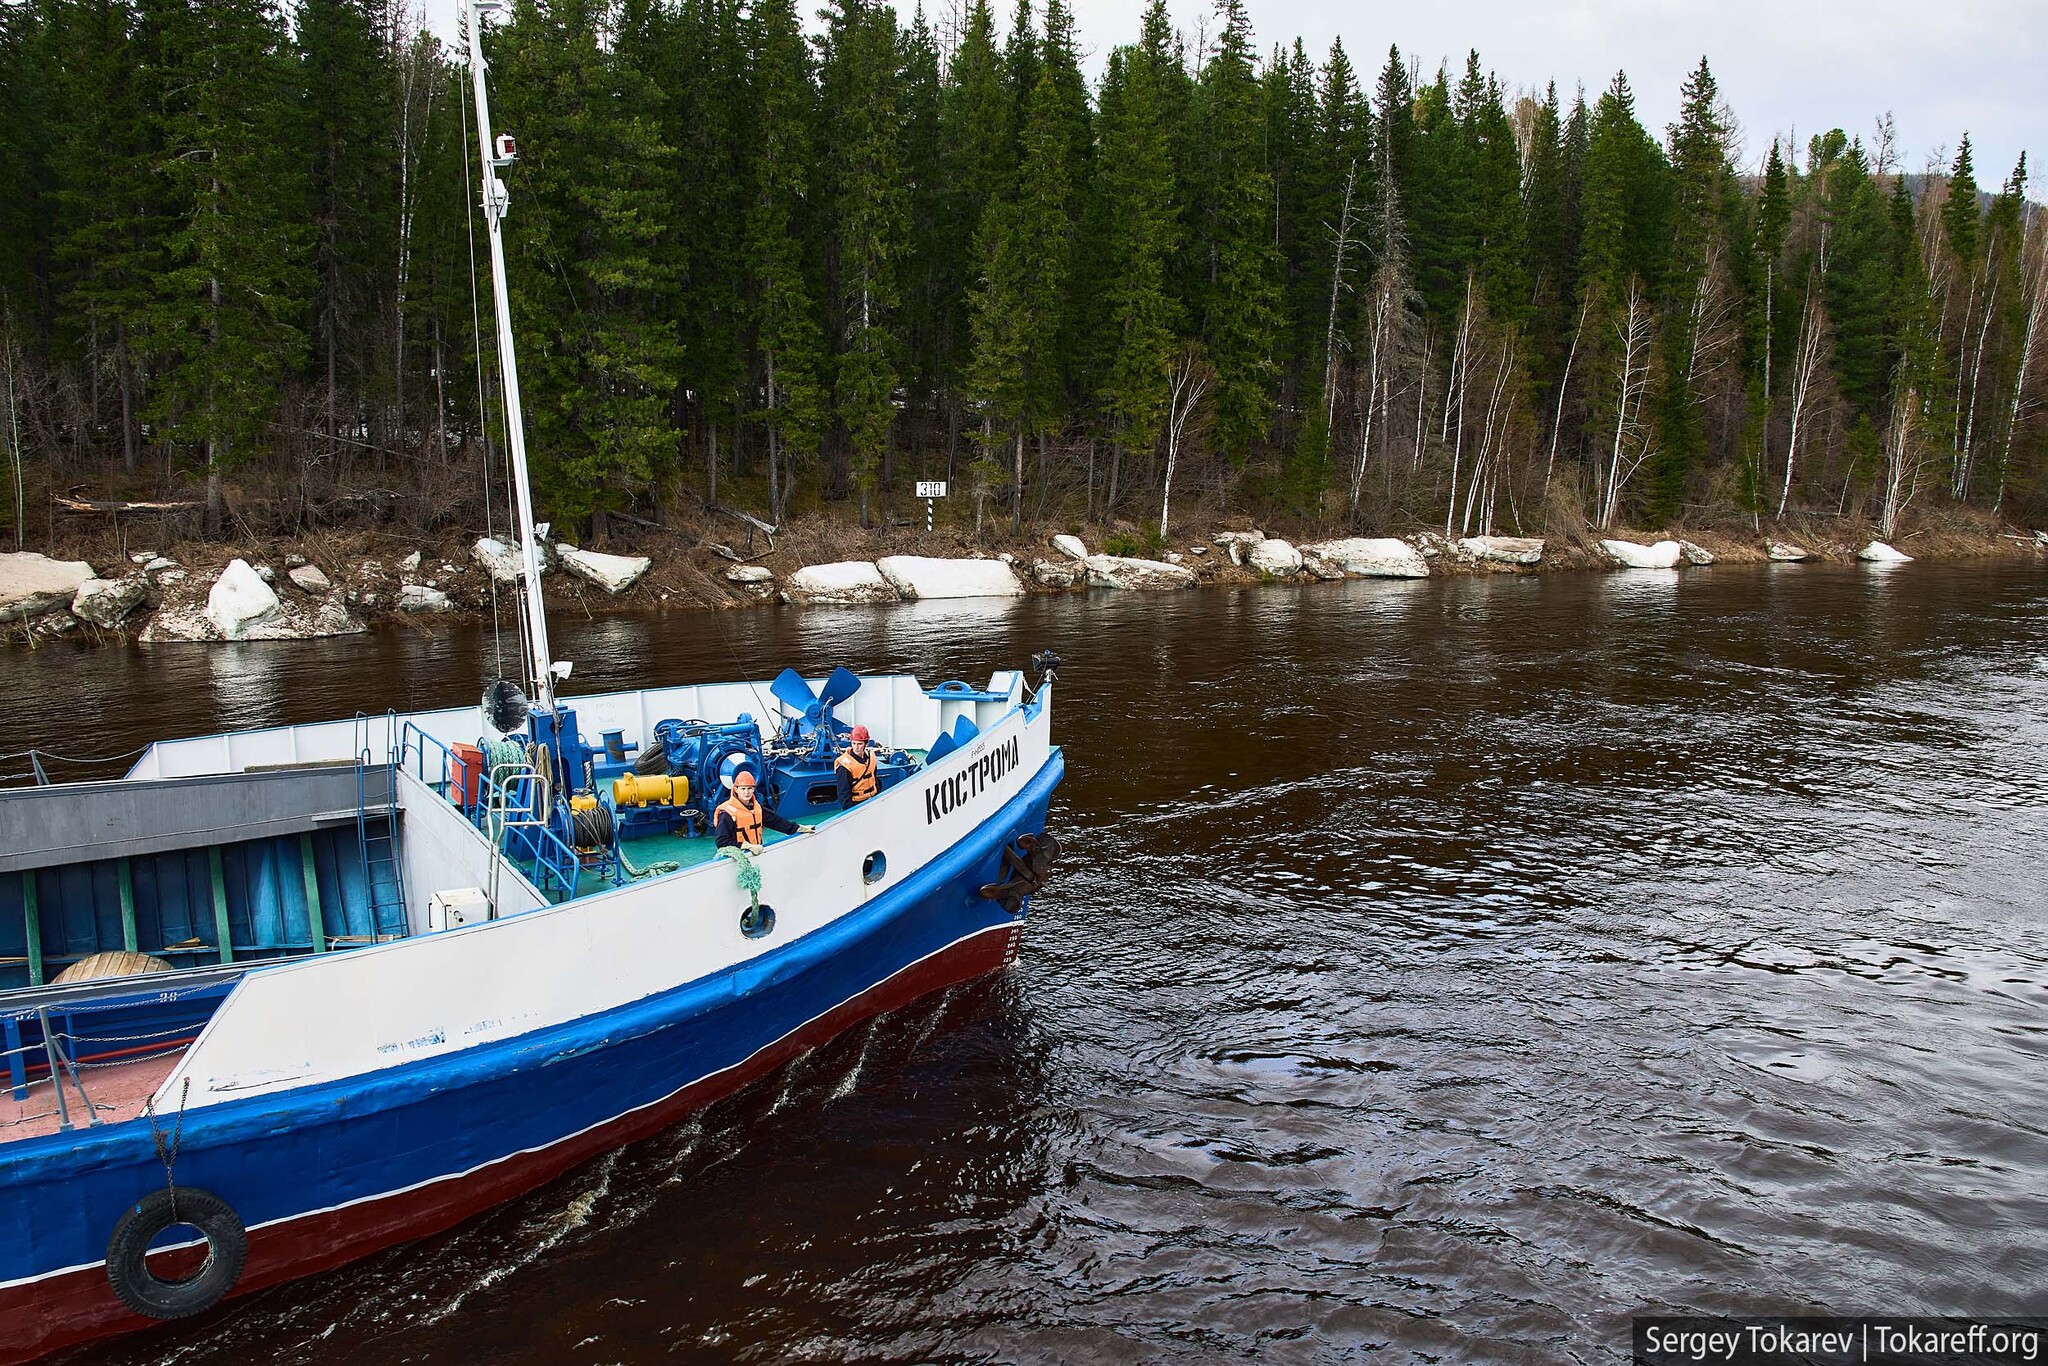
(787, 269)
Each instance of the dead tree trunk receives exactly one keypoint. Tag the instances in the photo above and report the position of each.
(1186, 383)
(2033, 335)
(1806, 369)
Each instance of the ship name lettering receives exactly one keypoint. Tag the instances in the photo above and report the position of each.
(943, 798)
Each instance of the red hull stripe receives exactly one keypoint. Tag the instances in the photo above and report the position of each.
(74, 1306)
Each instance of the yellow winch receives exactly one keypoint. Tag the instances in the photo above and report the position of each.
(640, 789)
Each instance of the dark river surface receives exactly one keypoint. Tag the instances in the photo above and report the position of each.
(1441, 970)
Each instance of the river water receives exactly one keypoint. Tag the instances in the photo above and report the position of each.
(1448, 968)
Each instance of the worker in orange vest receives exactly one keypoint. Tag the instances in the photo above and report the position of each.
(855, 770)
(740, 819)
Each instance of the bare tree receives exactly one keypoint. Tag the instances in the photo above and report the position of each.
(1186, 382)
(1383, 318)
(1808, 361)
(1343, 232)
(1903, 460)
(1454, 391)
(2033, 334)
(1563, 385)
(1629, 450)
(1480, 496)
(1966, 448)
(13, 432)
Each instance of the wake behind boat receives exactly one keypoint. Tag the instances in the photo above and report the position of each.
(280, 998)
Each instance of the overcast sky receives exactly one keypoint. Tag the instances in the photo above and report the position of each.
(1940, 66)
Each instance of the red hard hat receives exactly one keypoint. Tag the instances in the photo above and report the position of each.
(860, 732)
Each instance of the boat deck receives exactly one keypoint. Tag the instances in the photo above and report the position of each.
(113, 1091)
(685, 851)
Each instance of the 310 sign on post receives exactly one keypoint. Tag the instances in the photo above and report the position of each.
(930, 490)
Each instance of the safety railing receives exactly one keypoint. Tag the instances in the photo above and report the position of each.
(415, 752)
(63, 1037)
(514, 815)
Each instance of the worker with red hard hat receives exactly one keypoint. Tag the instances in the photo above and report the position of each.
(855, 771)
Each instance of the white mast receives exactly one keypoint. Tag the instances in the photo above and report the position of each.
(495, 199)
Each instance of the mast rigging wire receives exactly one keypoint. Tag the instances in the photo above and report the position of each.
(476, 329)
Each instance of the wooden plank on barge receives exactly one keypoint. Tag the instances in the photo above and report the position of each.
(220, 907)
(127, 875)
(34, 926)
(310, 870)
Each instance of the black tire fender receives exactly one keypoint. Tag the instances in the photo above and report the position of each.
(140, 1288)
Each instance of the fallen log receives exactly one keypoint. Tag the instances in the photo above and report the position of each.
(70, 503)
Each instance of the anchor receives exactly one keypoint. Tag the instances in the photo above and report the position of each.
(1028, 864)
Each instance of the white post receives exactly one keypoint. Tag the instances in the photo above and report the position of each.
(931, 490)
(495, 199)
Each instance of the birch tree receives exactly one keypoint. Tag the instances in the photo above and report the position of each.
(1187, 382)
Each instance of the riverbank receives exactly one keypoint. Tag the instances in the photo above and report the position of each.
(110, 588)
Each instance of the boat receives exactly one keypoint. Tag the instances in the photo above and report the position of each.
(276, 999)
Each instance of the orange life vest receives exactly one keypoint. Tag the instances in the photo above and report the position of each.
(746, 824)
(862, 775)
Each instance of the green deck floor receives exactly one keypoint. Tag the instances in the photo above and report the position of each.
(687, 850)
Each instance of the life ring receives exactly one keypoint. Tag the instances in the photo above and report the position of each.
(140, 1288)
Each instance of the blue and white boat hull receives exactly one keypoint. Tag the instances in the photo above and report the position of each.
(345, 1103)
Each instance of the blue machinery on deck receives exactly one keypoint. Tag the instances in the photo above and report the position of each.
(561, 808)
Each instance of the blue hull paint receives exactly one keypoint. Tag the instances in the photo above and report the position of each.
(288, 1155)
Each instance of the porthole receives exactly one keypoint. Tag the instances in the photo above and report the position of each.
(874, 868)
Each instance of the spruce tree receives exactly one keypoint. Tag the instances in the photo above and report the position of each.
(1625, 200)
(1960, 214)
(1239, 288)
(1298, 171)
(869, 206)
(1437, 197)
(1019, 306)
(1021, 62)
(593, 292)
(1547, 260)
(1495, 162)
(1699, 175)
(1075, 126)
(978, 151)
(928, 256)
(224, 325)
(1858, 279)
(694, 58)
(1912, 353)
(348, 139)
(1335, 253)
(103, 241)
(785, 328)
(1394, 149)
(1143, 229)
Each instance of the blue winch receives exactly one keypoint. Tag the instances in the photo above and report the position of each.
(801, 781)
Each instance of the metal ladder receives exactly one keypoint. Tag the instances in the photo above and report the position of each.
(377, 838)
